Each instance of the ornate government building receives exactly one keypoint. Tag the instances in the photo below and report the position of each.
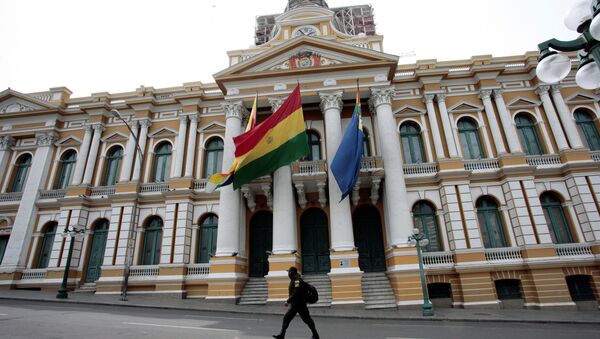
(500, 171)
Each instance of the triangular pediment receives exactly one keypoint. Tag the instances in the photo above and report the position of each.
(69, 141)
(115, 137)
(523, 102)
(305, 53)
(163, 132)
(465, 106)
(580, 97)
(409, 110)
(212, 127)
(12, 101)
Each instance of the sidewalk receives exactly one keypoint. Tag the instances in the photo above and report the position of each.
(441, 314)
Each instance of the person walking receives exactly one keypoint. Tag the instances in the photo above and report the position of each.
(297, 304)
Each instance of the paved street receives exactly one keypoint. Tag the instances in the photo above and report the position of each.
(32, 319)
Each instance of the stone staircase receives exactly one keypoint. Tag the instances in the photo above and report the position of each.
(86, 288)
(377, 291)
(254, 292)
(323, 285)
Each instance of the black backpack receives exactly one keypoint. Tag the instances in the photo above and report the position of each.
(312, 296)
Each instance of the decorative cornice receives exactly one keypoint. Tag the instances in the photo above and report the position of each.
(331, 100)
(541, 90)
(428, 98)
(275, 103)
(485, 94)
(45, 140)
(380, 96)
(6, 142)
(234, 110)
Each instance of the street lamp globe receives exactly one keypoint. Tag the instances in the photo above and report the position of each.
(595, 27)
(424, 242)
(553, 67)
(588, 75)
(412, 243)
(415, 231)
(579, 13)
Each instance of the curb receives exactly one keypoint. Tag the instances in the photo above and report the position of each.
(314, 313)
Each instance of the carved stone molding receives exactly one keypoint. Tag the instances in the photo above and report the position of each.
(45, 140)
(380, 96)
(375, 190)
(249, 195)
(355, 193)
(275, 103)
(146, 123)
(234, 110)
(440, 97)
(542, 90)
(555, 88)
(301, 194)
(266, 188)
(194, 117)
(497, 93)
(16, 107)
(6, 142)
(322, 196)
(331, 101)
(485, 94)
(428, 98)
(183, 119)
(99, 128)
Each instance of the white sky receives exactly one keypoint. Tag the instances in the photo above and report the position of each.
(117, 45)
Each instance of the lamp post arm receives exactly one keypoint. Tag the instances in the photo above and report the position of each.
(563, 46)
(137, 141)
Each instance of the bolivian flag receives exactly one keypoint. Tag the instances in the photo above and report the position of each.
(276, 142)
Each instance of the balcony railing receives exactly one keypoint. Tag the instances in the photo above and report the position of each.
(154, 187)
(143, 272)
(53, 194)
(200, 184)
(543, 160)
(573, 250)
(10, 196)
(432, 259)
(369, 164)
(36, 273)
(595, 155)
(314, 167)
(481, 164)
(198, 270)
(425, 168)
(102, 190)
(504, 254)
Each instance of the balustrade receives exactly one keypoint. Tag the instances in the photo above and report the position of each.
(432, 259)
(53, 194)
(198, 270)
(420, 169)
(573, 250)
(10, 196)
(504, 254)
(102, 190)
(481, 164)
(543, 160)
(154, 187)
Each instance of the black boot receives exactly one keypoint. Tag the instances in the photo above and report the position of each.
(279, 336)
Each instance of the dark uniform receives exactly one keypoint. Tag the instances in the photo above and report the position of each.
(297, 301)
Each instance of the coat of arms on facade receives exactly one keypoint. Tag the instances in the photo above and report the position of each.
(305, 59)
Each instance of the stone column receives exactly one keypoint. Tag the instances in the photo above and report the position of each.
(130, 153)
(435, 130)
(516, 208)
(448, 130)
(91, 161)
(340, 215)
(18, 243)
(191, 150)
(228, 237)
(566, 118)
(398, 213)
(284, 206)
(6, 143)
(180, 147)
(507, 124)
(491, 115)
(82, 156)
(559, 135)
(142, 139)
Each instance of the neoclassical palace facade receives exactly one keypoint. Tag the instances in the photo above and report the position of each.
(500, 171)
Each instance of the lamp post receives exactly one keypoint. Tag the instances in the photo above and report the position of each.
(584, 18)
(418, 240)
(72, 233)
(129, 247)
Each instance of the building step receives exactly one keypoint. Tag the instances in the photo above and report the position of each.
(377, 291)
(255, 292)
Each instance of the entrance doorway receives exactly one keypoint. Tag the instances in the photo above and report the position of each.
(315, 242)
(97, 251)
(261, 241)
(368, 237)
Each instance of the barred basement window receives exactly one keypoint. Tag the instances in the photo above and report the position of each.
(439, 290)
(508, 289)
(580, 287)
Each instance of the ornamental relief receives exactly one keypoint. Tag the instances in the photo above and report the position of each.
(16, 107)
(305, 59)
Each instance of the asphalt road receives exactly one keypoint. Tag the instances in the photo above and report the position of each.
(28, 319)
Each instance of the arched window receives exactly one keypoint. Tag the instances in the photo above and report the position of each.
(213, 157)
(425, 220)
(556, 219)
(490, 223)
(20, 173)
(528, 134)
(469, 139)
(162, 162)
(314, 146)
(588, 128)
(152, 241)
(207, 242)
(412, 144)
(113, 160)
(46, 247)
(366, 146)
(65, 171)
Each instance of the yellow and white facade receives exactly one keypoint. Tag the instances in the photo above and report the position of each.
(500, 170)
